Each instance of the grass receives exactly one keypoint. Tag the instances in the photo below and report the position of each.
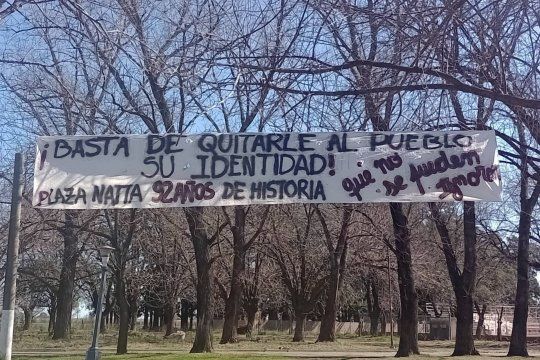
(157, 356)
(36, 344)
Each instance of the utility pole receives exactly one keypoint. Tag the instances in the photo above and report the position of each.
(390, 299)
(10, 283)
(449, 320)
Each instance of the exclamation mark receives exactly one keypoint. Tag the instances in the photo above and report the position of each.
(43, 157)
(332, 164)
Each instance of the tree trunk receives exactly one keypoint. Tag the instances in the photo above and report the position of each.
(374, 324)
(481, 318)
(250, 299)
(464, 285)
(205, 306)
(62, 325)
(251, 312)
(169, 315)
(328, 321)
(107, 309)
(133, 310)
(463, 282)
(52, 314)
(499, 324)
(300, 323)
(133, 319)
(374, 309)
(338, 255)
(232, 303)
(464, 328)
(155, 319)
(369, 303)
(146, 318)
(27, 317)
(184, 314)
(408, 320)
(273, 314)
(123, 310)
(383, 323)
(518, 340)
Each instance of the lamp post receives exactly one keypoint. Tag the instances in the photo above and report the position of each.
(390, 300)
(93, 352)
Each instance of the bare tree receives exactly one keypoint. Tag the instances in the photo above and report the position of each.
(337, 252)
(241, 243)
(527, 200)
(298, 257)
(463, 281)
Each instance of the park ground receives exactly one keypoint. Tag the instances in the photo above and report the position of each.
(35, 344)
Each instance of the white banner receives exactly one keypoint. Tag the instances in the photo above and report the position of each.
(173, 170)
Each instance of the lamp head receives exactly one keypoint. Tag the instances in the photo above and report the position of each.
(104, 253)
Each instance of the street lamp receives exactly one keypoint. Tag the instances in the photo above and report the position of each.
(93, 352)
(390, 300)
